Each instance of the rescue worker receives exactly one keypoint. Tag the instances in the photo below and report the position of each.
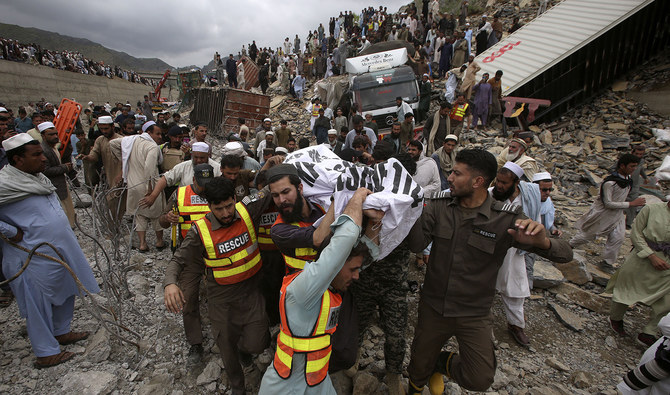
(310, 304)
(224, 244)
(460, 114)
(191, 206)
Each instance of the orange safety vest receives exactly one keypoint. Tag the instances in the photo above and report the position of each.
(301, 255)
(231, 252)
(458, 112)
(315, 110)
(268, 219)
(317, 346)
(191, 207)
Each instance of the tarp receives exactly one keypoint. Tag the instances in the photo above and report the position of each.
(331, 89)
(324, 174)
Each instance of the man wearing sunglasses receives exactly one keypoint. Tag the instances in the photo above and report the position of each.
(547, 209)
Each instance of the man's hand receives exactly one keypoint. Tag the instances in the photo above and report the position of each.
(374, 214)
(18, 236)
(172, 217)
(147, 201)
(68, 166)
(556, 233)
(638, 202)
(117, 180)
(361, 194)
(185, 148)
(530, 232)
(273, 161)
(658, 263)
(174, 298)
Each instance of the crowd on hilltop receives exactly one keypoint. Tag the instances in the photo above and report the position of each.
(65, 60)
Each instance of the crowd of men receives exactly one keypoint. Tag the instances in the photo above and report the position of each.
(73, 61)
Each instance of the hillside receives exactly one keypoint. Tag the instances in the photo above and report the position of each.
(91, 50)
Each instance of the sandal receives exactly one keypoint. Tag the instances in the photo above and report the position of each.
(53, 360)
(71, 337)
(161, 248)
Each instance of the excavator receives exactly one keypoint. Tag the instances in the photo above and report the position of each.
(155, 96)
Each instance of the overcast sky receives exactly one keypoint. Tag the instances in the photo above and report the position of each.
(185, 32)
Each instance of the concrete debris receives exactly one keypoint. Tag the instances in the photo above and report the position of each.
(566, 317)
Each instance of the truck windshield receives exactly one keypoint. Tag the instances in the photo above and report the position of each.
(384, 95)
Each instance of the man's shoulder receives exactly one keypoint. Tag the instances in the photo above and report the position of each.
(506, 207)
(442, 195)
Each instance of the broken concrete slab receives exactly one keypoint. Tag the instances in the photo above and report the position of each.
(575, 271)
(582, 298)
(545, 275)
(567, 317)
(598, 276)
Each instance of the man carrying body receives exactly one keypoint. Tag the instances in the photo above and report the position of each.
(30, 213)
(140, 157)
(224, 245)
(310, 305)
(191, 206)
(516, 152)
(606, 215)
(471, 234)
(470, 75)
(512, 281)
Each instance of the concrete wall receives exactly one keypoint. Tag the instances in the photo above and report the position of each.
(21, 83)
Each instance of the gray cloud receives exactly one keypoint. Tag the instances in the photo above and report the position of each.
(181, 33)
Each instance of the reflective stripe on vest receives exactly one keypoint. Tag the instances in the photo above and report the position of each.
(317, 346)
(268, 219)
(228, 267)
(315, 110)
(458, 112)
(191, 208)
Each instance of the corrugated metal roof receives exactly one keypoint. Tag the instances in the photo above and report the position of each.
(551, 37)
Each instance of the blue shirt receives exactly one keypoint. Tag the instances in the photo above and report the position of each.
(23, 125)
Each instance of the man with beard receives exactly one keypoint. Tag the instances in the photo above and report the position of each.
(321, 127)
(547, 209)
(224, 245)
(305, 350)
(359, 130)
(471, 235)
(260, 131)
(394, 137)
(438, 126)
(512, 281)
(111, 163)
(516, 152)
(333, 143)
(445, 157)
(300, 241)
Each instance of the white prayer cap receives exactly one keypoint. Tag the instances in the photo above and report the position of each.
(332, 131)
(105, 120)
(451, 137)
(542, 176)
(17, 141)
(514, 168)
(467, 24)
(147, 125)
(44, 126)
(234, 148)
(426, 75)
(200, 147)
(183, 125)
(267, 120)
(484, 16)
(281, 149)
(270, 133)
(2, 109)
(90, 103)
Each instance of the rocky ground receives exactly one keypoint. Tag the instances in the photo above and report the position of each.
(573, 351)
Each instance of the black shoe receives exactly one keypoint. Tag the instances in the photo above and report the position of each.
(519, 335)
(646, 339)
(617, 326)
(195, 354)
